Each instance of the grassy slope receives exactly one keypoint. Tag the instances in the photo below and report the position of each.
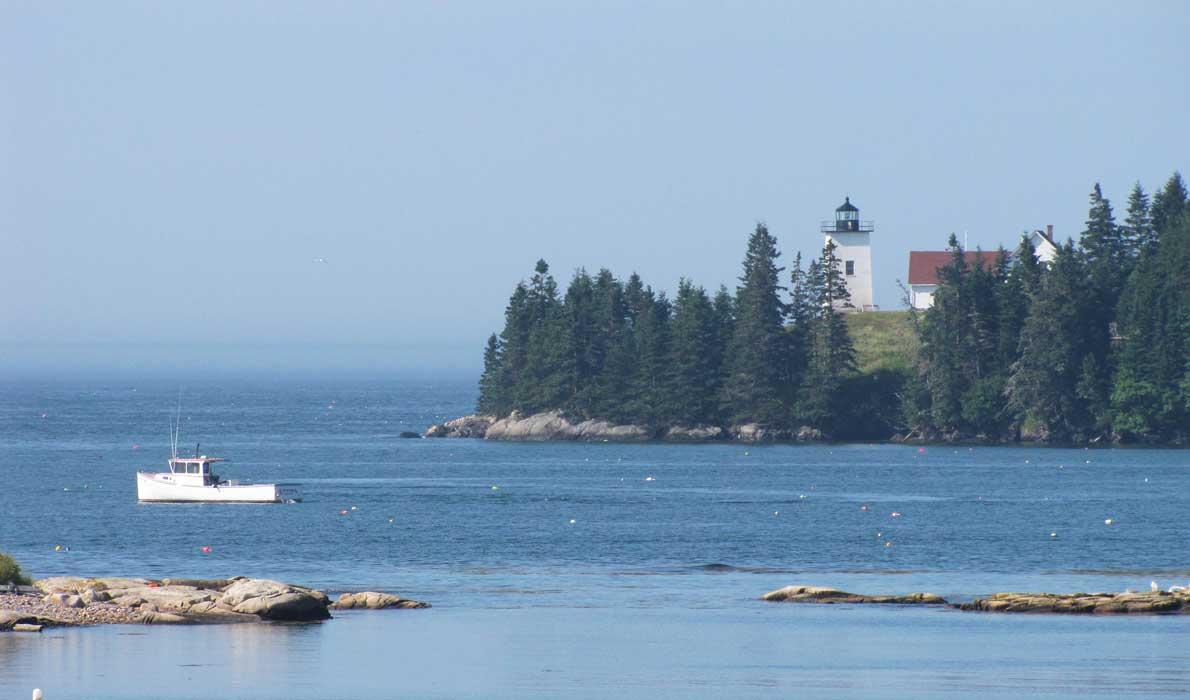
(883, 340)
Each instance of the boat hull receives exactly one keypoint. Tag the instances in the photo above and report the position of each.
(153, 488)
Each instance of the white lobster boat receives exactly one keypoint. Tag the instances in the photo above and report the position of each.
(190, 480)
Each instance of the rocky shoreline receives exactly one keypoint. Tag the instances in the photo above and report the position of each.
(555, 426)
(1175, 601)
(68, 601)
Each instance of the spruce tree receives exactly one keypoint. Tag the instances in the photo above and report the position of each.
(514, 346)
(493, 400)
(651, 389)
(1169, 204)
(831, 360)
(752, 389)
(946, 343)
(1138, 225)
(694, 369)
(1106, 252)
(1043, 386)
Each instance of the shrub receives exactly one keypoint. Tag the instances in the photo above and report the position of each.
(10, 571)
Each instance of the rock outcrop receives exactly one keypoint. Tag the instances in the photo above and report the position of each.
(818, 594)
(465, 427)
(371, 600)
(555, 426)
(698, 433)
(1155, 602)
(552, 425)
(176, 601)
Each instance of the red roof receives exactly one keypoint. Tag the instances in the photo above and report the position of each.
(924, 264)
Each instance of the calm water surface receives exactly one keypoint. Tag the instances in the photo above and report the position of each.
(581, 570)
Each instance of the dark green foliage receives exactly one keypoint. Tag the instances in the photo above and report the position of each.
(493, 399)
(1095, 345)
(752, 388)
(825, 403)
(10, 571)
(695, 357)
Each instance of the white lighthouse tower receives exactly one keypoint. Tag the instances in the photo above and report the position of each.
(853, 243)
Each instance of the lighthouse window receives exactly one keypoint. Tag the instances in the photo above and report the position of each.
(850, 265)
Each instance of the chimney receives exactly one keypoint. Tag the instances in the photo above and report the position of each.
(1049, 232)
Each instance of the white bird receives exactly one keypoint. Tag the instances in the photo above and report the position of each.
(37, 694)
(1154, 587)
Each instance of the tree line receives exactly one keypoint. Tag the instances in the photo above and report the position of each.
(774, 355)
(1094, 346)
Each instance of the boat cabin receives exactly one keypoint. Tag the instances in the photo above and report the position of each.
(194, 471)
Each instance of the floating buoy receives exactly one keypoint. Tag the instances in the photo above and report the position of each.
(343, 512)
(887, 543)
(649, 478)
(776, 513)
(895, 514)
(1053, 535)
(921, 450)
(57, 548)
(572, 521)
(864, 508)
(206, 549)
(1107, 522)
(392, 520)
(495, 488)
(136, 447)
(354, 508)
(879, 535)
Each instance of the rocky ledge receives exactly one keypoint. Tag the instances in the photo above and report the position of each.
(1128, 603)
(555, 426)
(1174, 601)
(818, 594)
(72, 600)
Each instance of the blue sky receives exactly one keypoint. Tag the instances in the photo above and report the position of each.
(169, 172)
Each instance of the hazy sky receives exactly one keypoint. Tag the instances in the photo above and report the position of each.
(169, 172)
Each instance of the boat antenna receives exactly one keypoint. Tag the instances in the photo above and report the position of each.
(175, 432)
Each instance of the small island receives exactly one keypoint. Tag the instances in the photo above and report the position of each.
(68, 601)
(1089, 347)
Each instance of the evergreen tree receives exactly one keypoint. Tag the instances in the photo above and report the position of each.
(652, 401)
(1138, 225)
(1106, 252)
(493, 400)
(514, 346)
(752, 389)
(800, 319)
(694, 369)
(1043, 386)
(946, 343)
(1169, 205)
(831, 360)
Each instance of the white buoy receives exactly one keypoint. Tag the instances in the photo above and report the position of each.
(1107, 522)
(572, 521)
(1053, 535)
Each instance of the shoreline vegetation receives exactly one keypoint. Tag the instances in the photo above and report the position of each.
(1092, 348)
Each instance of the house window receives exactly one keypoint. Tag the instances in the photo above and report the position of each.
(850, 265)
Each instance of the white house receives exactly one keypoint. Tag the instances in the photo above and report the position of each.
(923, 272)
(1043, 242)
(924, 264)
(853, 242)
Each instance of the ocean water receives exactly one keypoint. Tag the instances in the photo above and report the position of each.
(580, 570)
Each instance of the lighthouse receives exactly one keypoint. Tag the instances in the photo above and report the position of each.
(853, 248)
